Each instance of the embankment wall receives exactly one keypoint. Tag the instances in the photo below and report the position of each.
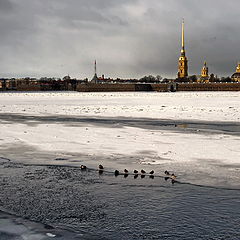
(131, 87)
(158, 87)
(208, 87)
(91, 87)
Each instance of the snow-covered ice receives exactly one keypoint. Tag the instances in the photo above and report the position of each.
(220, 106)
(85, 127)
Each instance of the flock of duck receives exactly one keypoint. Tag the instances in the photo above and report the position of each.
(136, 173)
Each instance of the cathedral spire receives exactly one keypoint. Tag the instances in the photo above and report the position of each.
(95, 67)
(183, 40)
(183, 62)
(95, 77)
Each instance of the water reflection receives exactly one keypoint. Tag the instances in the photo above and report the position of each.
(135, 176)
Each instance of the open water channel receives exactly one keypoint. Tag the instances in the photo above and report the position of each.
(61, 202)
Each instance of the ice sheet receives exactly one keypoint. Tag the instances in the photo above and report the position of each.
(192, 153)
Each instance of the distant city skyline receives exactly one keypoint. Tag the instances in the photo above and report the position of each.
(128, 38)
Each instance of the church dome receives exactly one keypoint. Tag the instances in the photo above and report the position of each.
(236, 75)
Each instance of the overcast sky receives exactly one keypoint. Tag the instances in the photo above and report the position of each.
(128, 38)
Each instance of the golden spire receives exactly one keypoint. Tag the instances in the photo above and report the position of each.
(183, 33)
(183, 47)
(183, 62)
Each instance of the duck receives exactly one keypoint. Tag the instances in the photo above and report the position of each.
(143, 172)
(152, 172)
(135, 171)
(100, 167)
(167, 172)
(116, 172)
(125, 170)
(173, 176)
(83, 167)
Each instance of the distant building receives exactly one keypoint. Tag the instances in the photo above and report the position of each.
(182, 62)
(102, 80)
(204, 74)
(7, 84)
(236, 76)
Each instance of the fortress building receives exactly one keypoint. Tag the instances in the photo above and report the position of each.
(236, 76)
(183, 62)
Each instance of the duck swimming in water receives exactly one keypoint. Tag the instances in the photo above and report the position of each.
(143, 172)
(135, 171)
(83, 167)
(167, 172)
(152, 172)
(116, 172)
(125, 171)
(100, 167)
(173, 176)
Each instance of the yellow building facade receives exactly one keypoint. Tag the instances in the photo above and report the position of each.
(204, 77)
(204, 73)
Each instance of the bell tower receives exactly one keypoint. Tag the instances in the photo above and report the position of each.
(204, 73)
(183, 62)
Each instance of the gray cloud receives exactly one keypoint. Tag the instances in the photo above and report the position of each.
(129, 38)
(5, 5)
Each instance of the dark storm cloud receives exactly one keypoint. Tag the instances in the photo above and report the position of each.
(5, 5)
(129, 38)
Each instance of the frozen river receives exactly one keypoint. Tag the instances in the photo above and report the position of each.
(46, 136)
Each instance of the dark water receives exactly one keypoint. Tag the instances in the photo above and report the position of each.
(94, 206)
(189, 126)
